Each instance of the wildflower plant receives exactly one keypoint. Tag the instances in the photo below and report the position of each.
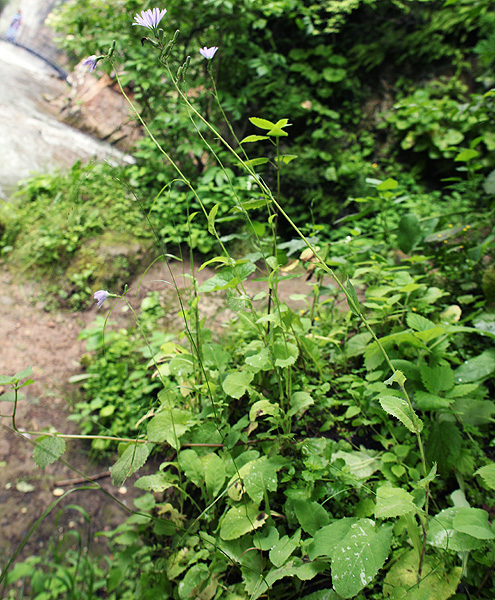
(264, 477)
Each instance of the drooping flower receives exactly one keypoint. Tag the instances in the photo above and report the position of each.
(100, 297)
(150, 18)
(208, 53)
(91, 62)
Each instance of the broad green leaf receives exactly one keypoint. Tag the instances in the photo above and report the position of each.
(361, 464)
(426, 401)
(215, 356)
(388, 184)
(409, 233)
(214, 473)
(443, 445)
(169, 425)
(311, 515)
(400, 409)
(181, 365)
(277, 132)
(262, 477)
(48, 449)
(22, 374)
(132, 459)
(193, 579)
(284, 548)
(487, 473)
(236, 384)
(262, 123)
(293, 568)
(474, 522)
(466, 155)
(260, 361)
(418, 323)
(253, 138)
(254, 162)
(211, 219)
(263, 407)
(285, 353)
(476, 368)
(393, 502)
(438, 581)
(322, 595)
(359, 557)
(328, 538)
(299, 401)
(442, 534)
(192, 466)
(157, 482)
(437, 379)
(241, 520)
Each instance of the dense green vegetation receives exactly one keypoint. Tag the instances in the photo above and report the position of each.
(341, 450)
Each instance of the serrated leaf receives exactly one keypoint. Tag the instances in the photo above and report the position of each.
(487, 473)
(437, 379)
(418, 322)
(284, 548)
(241, 520)
(132, 459)
(359, 557)
(444, 445)
(400, 409)
(168, 426)
(426, 401)
(393, 502)
(236, 384)
(48, 449)
(261, 123)
(311, 515)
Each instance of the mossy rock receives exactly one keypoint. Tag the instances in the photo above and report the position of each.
(108, 262)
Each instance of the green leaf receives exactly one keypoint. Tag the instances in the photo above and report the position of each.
(328, 538)
(444, 445)
(361, 464)
(437, 379)
(215, 474)
(253, 138)
(48, 449)
(262, 477)
(260, 361)
(487, 473)
(476, 368)
(410, 232)
(419, 323)
(168, 426)
(254, 162)
(241, 520)
(311, 515)
(473, 522)
(157, 482)
(211, 219)
(299, 402)
(189, 584)
(466, 155)
(284, 548)
(442, 534)
(438, 582)
(393, 502)
(132, 459)
(277, 132)
(426, 401)
(388, 184)
(400, 409)
(285, 353)
(352, 301)
(192, 466)
(263, 407)
(236, 384)
(359, 556)
(262, 123)
(285, 158)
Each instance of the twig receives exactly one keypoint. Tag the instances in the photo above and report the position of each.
(83, 479)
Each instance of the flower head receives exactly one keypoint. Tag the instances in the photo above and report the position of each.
(91, 62)
(100, 297)
(208, 53)
(150, 18)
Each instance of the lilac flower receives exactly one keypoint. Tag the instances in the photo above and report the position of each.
(208, 53)
(100, 297)
(150, 18)
(91, 62)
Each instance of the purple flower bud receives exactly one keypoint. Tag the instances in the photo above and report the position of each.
(208, 53)
(91, 62)
(100, 297)
(150, 18)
